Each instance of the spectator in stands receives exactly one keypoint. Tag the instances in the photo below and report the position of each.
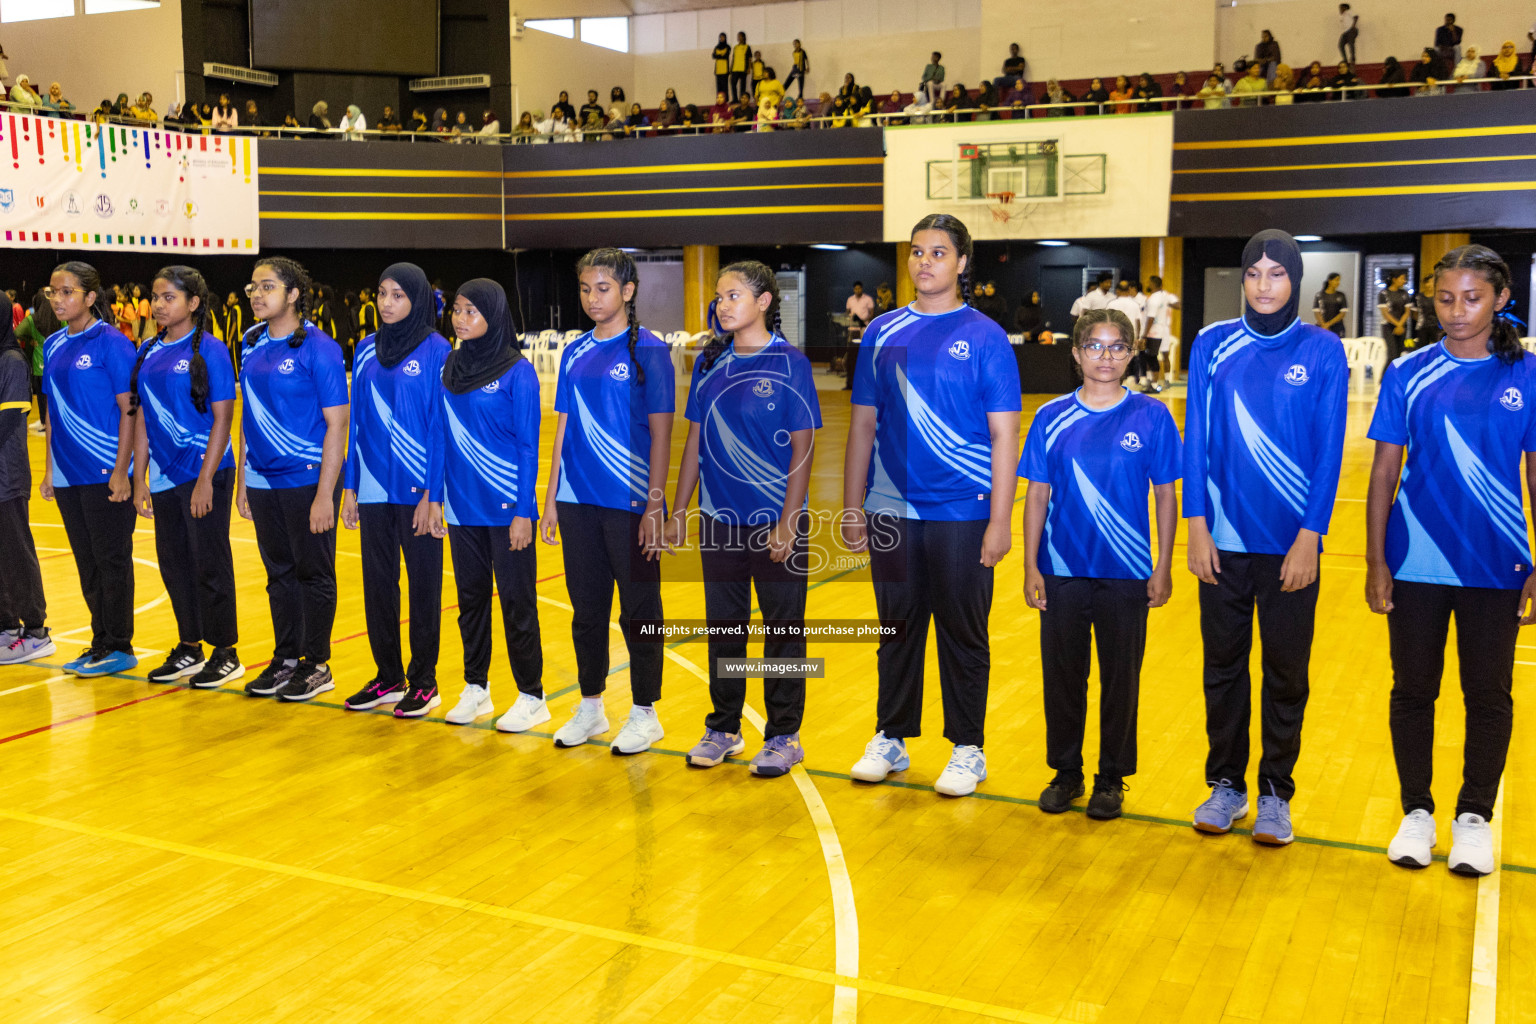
(1055, 94)
(1470, 66)
(561, 128)
(720, 113)
(885, 301)
(253, 116)
(23, 95)
(1285, 82)
(225, 117)
(841, 117)
(891, 107)
(563, 105)
(1310, 90)
(1212, 95)
(1149, 92)
(800, 66)
(523, 131)
(457, 132)
(860, 305)
(636, 124)
(1267, 55)
(794, 114)
(55, 101)
(1330, 307)
(418, 122)
(319, 116)
(1392, 74)
(987, 97)
(918, 110)
(1019, 94)
(1013, 68)
(987, 300)
(543, 129)
(693, 121)
(1506, 67)
(584, 115)
(1030, 317)
(849, 90)
(490, 127)
(616, 94)
(289, 121)
(1096, 97)
(933, 79)
(1244, 94)
(1349, 31)
(353, 123)
(593, 120)
(144, 110)
(741, 62)
(389, 121)
(670, 112)
(1121, 95)
(770, 89)
(1180, 92)
(615, 123)
(122, 107)
(103, 113)
(1427, 72)
(720, 57)
(1448, 42)
(767, 114)
(759, 71)
(957, 100)
(1220, 71)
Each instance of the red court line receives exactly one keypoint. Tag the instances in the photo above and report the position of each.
(93, 714)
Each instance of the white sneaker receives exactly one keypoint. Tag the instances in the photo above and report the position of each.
(642, 729)
(474, 702)
(1471, 845)
(881, 757)
(967, 766)
(525, 713)
(588, 721)
(1414, 844)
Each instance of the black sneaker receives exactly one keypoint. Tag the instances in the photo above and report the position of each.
(184, 660)
(418, 701)
(375, 693)
(223, 667)
(308, 680)
(271, 679)
(1058, 796)
(1108, 795)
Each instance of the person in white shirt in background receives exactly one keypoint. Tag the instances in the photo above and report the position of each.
(1126, 303)
(1349, 29)
(1097, 298)
(1157, 329)
(861, 304)
(354, 123)
(542, 127)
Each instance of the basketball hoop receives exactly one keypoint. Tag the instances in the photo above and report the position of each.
(1000, 203)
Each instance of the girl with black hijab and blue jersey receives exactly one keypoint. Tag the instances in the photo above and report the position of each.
(394, 488)
(1263, 445)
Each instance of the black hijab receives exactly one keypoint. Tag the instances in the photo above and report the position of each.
(8, 335)
(478, 361)
(393, 342)
(1281, 248)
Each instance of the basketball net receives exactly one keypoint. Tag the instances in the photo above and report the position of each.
(1002, 203)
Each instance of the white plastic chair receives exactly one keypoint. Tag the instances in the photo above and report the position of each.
(543, 347)
(1169, 350)
(1369, 360)
(1015, 339)
(1529, 344)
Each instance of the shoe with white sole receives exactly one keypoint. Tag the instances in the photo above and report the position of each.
(715, 747)
(525, 713)
(223, 667)
(882, 756)
(474, 702)
(26, 647)
(641, 730)
(967, 766)
(184, 660)
(1414, 844)
(1471, 845)
(101, 662)
(588, 721)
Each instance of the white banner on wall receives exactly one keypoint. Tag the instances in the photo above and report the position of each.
(77, 185)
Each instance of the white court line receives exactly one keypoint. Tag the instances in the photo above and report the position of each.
(28, 686)
(1483, 1000)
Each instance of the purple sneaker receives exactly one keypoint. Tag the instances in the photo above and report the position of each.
(714, 748)
(778, 756)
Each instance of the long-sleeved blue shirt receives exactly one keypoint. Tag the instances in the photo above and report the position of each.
(491, 466)
(397, 444)
(1264, 433)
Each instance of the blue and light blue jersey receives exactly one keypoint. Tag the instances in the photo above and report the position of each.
(82, 375)
(747, 407)
(284, 392)
(605, 455)
(932, 379)
(1264, 433)
(1100, 463)
(491, 467)
(1458, 518)
(177, 432)
(396, 451)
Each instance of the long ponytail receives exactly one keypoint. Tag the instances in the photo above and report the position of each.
(293, 275)
(1504, 341)
(622, 266)
(760, 279)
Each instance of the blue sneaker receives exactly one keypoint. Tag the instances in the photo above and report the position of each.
(74, 665)
(1272, 827)
(882, 756)
(106, 663)
(1225, 805)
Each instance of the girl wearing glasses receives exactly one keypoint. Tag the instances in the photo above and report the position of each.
(86, 367)
(1089, 459)
(293, 438)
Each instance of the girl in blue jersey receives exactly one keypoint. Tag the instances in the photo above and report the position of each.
(928, 485)
(1263, 443)
(1089, 458)
(615, 396)
(184, 385)
(86, 368)
(1454, 541)
(394, 488)
(293, 439)
(491, 463)
(752, 418)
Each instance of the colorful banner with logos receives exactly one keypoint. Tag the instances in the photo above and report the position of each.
(77, 185)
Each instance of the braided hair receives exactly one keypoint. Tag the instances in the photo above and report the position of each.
(622, 266)
(90, 281)
(760, 279)
(1504, 341)
(293, 275)
(960, 237)
(191, 284)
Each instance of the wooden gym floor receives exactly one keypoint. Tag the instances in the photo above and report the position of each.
(178, 856)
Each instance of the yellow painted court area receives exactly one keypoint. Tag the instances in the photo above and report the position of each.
(177, 856)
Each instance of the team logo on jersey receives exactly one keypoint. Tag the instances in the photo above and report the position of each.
(1512, 399)
(1131, 442)
(84, 362)
(103, 205)
(412, 369)
(182, 366)
(286, 366)
(763, 389)
(493, 387)
(960, 350)
(620, 372)
(1297, 375)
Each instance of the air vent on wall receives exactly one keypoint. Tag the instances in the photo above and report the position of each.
(234, 74)
(450, 82)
